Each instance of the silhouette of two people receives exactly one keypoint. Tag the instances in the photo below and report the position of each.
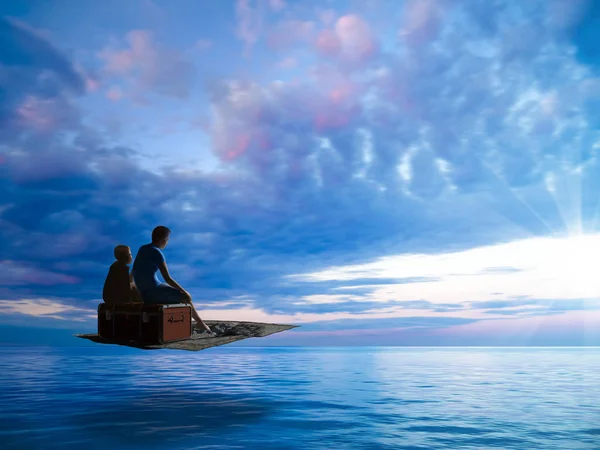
(143, 284)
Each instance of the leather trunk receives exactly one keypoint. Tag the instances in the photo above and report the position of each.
(127, 321)
(121, 321)
(148, 323)
(166, 323)
(106, 322)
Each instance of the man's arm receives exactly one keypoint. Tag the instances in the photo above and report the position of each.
(131, 281)
(164, 271)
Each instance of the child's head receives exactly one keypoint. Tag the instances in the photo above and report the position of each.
(123, 254)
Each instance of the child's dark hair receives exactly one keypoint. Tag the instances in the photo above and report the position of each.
(121, 253)
(160, 233)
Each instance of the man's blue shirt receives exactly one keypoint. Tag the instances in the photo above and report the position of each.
(145, 267)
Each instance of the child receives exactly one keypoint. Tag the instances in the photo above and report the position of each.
(119, 286)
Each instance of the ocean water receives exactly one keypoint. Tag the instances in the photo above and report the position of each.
(105, 397)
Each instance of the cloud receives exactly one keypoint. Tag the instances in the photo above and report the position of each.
(351, 41)
(287, 63)
(24, 47)
(327, 16)
(437, 138)
(250, 23)
(435, 161)
(247, 118)
(286, 34)
(421, 21)
(559, 268)
(43, 308)
(39, 87)
(204, 44)
(50, 164)
(63, 309)
(277, 5)
(114, 93)
(392, 314)
(13, 273)
(582, 324)
(37, 80)
(573, 329)
(148, 68)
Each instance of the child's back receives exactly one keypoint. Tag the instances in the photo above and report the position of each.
(117, 287)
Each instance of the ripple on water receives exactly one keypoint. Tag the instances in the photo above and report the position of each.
(350, 398)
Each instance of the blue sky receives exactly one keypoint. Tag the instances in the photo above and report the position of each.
(378, 172)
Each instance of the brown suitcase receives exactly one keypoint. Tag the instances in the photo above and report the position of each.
(120, 321)
(148, 323)
(106, 322)
(166, 323)
(127, 321)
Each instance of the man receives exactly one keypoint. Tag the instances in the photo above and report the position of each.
(148, 261)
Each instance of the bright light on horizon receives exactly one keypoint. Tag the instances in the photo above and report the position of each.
(537, 268)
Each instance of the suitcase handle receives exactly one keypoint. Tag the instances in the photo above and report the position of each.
(172, 319)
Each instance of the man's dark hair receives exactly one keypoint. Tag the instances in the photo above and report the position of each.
(160, 233)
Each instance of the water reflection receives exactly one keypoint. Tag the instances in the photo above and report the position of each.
(300, 398)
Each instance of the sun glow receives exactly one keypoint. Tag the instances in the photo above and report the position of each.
(537, 268)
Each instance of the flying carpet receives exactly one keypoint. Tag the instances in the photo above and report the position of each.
(226, 333)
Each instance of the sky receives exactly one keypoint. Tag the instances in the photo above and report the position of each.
(379, 172)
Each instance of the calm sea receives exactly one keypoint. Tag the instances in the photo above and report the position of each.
(105, 397)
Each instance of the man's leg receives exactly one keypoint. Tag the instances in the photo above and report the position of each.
(197, 318)
(173, 295)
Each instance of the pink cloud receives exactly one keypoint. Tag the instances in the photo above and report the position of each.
(114, 93)
(46, 115)
(121, 62)
(148, 67)
(335, 115)
(287, 63)
(91, 84)
(356, 37)
(339, 104)
(247, 118)
(522, 328)
(350, 41)
(328, 43)
(289, 33)
(239, 146)
(36, 113)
